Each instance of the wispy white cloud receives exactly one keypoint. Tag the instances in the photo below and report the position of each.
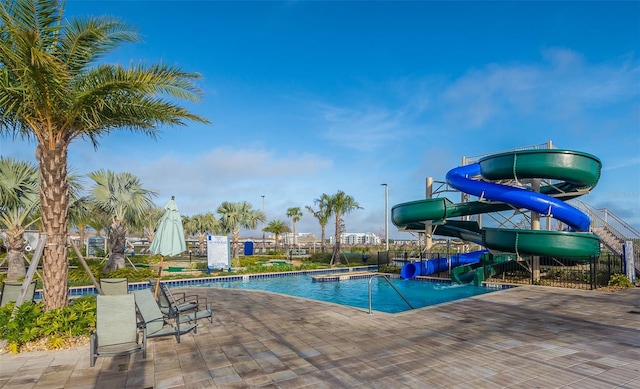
(624, 164)
(563, 85)
(365, 130)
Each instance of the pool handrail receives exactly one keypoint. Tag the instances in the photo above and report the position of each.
(386, 278)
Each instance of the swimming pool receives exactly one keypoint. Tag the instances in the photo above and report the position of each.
(354, 292)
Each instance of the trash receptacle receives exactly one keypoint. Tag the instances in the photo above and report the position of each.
(248, 248)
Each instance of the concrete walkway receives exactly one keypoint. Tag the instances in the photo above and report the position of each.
(528, 337)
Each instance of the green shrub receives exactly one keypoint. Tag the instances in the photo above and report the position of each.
(620, 280)
(321, 257)
(202, 266)
(390, 269)
(30, 323)
(137, 274)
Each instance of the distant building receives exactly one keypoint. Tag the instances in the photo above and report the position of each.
(358, 238)
(302, 238)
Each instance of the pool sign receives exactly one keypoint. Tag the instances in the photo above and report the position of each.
(218, 252)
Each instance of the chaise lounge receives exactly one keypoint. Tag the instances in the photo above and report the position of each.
(153, 321)
(116, 328)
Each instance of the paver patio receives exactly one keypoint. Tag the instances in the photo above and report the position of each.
(527, 337)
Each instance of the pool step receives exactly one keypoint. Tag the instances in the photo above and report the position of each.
(345, 277)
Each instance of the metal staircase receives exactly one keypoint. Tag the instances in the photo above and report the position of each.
(612, 230)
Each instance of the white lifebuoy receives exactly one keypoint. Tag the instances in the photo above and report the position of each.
(28, 248)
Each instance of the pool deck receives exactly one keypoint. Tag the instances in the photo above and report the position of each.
(526, 337)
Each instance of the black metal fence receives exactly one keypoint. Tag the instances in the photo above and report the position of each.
(560, 272)
(579, 273)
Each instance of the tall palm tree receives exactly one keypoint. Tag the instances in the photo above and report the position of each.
(122, 196)
(323, 213)
(277, 227)
(53, 91)
(340, 204)
(201, 225)
(234, 216)
(19, 202)
(295, 214)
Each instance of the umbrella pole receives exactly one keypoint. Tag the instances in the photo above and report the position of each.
(155, 292)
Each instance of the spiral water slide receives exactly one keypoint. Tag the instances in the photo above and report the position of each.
(570, 173)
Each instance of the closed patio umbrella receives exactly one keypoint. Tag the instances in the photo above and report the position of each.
(169, 237)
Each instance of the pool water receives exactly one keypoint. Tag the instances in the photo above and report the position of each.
(355, 292)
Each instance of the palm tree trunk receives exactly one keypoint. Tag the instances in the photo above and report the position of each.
(54, 205)
(15, 245)
(235, 235)
(294, 234)
(117, 242)
(322, 248)
(200, 244)
(335, 258)
(82, 233)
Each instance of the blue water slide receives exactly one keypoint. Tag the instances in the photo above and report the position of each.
(460, 179)
(412, 270)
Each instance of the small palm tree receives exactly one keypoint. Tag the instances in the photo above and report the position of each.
(54, 91)
(149, 222)
(202, 225)
(277, 227)
(234, 216)
(323, 213)
(295, 214)
(121, 196)
(79, 207)
(340, 204)
(19, 203)
(98, 219)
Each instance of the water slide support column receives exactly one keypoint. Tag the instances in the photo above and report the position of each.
(535, 225)
(428, 229)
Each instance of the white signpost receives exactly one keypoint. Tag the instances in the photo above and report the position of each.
(629, 261)
(218, 252)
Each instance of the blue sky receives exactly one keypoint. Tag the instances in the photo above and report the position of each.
(312, 97)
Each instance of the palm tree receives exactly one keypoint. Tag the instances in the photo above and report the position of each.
(323, 213)
(150, 220)
(53, 91)
(234, 216)
(98, 219)
(19, 203)
(79, 216)
(340, 204)
(277, 227)
(79, 206)
(295, 214)
(202, 225)
(122, 196)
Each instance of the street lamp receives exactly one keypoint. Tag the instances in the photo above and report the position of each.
(264, 248)
(386, 216)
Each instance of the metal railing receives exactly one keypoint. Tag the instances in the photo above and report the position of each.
(602, 217)
(386, 278)
(563, 272)
(541, 146)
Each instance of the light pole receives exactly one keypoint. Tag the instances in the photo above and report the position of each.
(386, 216)
(264, 247)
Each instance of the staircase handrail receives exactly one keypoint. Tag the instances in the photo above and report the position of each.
(610, 221)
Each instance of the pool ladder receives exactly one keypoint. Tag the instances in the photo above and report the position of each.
(386, 278)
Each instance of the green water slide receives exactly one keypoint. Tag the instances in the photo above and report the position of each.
(568, 174)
